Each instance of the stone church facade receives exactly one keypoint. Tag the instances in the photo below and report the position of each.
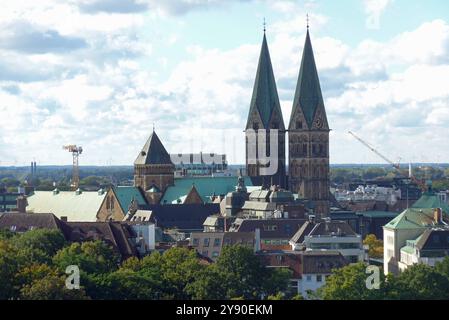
(308, 131)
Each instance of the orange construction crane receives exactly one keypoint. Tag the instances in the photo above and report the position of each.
(76, 151)
(421, 184)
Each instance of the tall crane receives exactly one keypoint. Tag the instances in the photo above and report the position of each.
(416, 181)
(76, 151)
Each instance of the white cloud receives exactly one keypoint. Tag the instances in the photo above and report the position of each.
(391, 93)
(374, 10)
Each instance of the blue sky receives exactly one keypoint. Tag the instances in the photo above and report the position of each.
(99, 73)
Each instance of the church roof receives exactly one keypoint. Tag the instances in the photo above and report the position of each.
(265, 99)
(205, 186)
(153, 152)
(308, 90)
(126, 194)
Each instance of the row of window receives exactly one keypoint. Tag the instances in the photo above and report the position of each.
(206, 242)
(335, 245)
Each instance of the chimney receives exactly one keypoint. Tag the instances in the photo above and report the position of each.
(438, 216)
(257, 239)
(22, 204)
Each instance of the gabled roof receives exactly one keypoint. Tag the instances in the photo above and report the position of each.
(283, 228)
(153, 152)
(433, 239)
(25, 221)
(125, 196)
(206, 187)
(183, 217)
(316, 262)
(265, 99)
(414, 218)
(76, 207)
(332, 228)
(193, 196)
(308, 94)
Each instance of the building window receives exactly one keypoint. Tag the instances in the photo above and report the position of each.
(196, 242)
(390, 240)
(309, 278)
(319, 278)
(206, 242)
(215, 254)
(216, 242)
(298, 124)
(255, 126)
(13, 228)
(270, 227)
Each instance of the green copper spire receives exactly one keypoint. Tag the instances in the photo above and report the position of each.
(308, 94)
(265, 99)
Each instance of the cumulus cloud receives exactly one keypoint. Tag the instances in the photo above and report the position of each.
(105, 96)
(25, 37)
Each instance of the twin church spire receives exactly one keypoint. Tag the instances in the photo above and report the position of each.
(308, 131)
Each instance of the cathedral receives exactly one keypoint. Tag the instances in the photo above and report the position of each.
(308, 133)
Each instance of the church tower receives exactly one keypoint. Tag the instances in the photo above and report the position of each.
(265, 114)
(308, 137)
(153, 168)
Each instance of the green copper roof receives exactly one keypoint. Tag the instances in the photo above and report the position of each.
(265, 97)
(206, 186)
(408, 249)
(82, 207)
(153, 152)
(125, 195)
(430, 200)
(308, 90)
(414, 218)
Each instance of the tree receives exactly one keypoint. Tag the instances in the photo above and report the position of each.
(8, 268)
(349, 283)
(39, 245)
(90, 257)
(376, 246)
(179, 266)
(238, 272)
(418, 282)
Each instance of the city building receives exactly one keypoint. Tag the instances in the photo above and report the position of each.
(274, 233)
(199, 164)
(310, 269)
(402, 234)
(127, 239)
(210, 244)
(429, 248)
(70, 205)
(329, 236)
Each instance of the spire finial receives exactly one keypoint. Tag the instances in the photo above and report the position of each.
(153, 126)
(307, 21)
(264, 25)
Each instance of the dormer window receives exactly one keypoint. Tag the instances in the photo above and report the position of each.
(298, 124)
